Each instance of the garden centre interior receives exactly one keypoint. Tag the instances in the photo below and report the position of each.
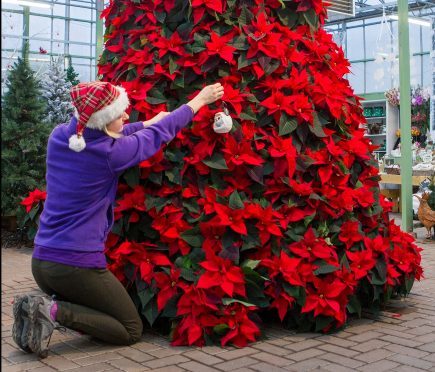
(218, 185)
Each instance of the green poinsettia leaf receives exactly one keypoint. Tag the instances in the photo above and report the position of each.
(287, 124)
(216, 161)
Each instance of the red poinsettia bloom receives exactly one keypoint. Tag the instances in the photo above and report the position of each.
(241, 329)
(134, 200)
(286, 266)
(313, 248)
(218, 45)
(34, 197)
(361, 262)
(212, 236)
(167, 285)
(267, 224)
(174, 44)
(364, 196)
(221, 272)
(325, 299)
(284, 148)
(282, 301)
(240, 153)
(234, 218)
(349, 233)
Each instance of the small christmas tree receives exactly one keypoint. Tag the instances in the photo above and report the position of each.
(55, 89)
(24, 137)
(72, 75)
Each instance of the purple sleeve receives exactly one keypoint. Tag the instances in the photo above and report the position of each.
(132, 128)
(129, 151)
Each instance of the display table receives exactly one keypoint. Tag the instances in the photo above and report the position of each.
(397, 179)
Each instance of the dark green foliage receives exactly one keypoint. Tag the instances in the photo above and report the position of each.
(24, 137)
(72, 76)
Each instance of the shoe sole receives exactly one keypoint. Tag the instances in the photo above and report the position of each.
(21, 327)
(35, 342)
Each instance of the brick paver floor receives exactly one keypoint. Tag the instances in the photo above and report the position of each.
(401, 339)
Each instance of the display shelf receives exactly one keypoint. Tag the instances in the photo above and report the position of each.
(375, 117)
(375, 135)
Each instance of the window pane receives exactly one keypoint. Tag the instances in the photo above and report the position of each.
(81, 13)
(59, 10)
(414, 38)
(378, 78)
(79, 50)
(356, 77)
(9, 42)
(36, 44)
(374, 39)
(84, 72)
(80, 31)
(59, 29)
(355, 44)
(427, 71)
(39, 64)
(40, 27)
(427, 39)
(12, 24)
(58, 48)
(416, 70)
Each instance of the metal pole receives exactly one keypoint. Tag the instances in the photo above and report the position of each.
(405, 116)
(98, 34)
(26, 44)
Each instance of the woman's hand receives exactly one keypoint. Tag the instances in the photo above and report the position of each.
(209, 94)
(156, 118)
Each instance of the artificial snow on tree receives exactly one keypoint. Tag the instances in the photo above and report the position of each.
(282, 216)
(24, 137)
(56, 91)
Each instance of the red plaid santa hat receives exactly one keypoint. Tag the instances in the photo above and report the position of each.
(97, 104)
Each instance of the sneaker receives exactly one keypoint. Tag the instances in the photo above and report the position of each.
(21, 327)
(41, 325)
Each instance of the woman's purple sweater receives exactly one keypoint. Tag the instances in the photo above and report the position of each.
(81, 186)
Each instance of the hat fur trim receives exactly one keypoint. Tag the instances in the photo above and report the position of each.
(101, 118)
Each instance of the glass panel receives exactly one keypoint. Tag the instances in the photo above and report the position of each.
(416, 70)
(58, 47)
(414, 38)
(40, 27)
(84, 72)
(427, 39)
(79, 50)
(80, 31)
(12, 23)
(36, 44)
(372, 35)
(37, 10)
(356, 78)
(39, 64)
(378, 77)
(59, 29)
(59, 10)
(81, 13)
(427, 71)
(355, 44)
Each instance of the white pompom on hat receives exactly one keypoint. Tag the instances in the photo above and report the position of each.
(97, 104)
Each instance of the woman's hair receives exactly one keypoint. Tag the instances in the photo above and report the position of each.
(111, 133)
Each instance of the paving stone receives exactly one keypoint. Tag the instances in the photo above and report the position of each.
(236, 363)
(167, 361)
(413, 362)
(306, 354)
(365, 336)
(407, 369)
(272, 349)
(136, 355)
(161, 353)
(196, 367)
(128, 365)
(272, 359)
(202, 357)
(401, 341)
(370, 345)
(342, 360)
(101, 358)
(93, 368)
(307, 365)
(262, 367)
(22, 366)
(60, 363)
(406, 350)
(379, 366)
(169, 369)
(145, 346)
(374, 355)
(302, 345)
(337, 368)
(428, 347)
(337, 341)
(338, 350)
(238, 353)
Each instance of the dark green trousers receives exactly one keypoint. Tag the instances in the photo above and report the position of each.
(91, 301)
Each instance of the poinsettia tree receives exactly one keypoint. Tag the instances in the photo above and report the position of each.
(280, 217)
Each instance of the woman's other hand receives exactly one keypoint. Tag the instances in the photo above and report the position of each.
(156, 118)
(209, 94)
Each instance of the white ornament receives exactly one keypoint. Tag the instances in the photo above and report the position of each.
(222, 121)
